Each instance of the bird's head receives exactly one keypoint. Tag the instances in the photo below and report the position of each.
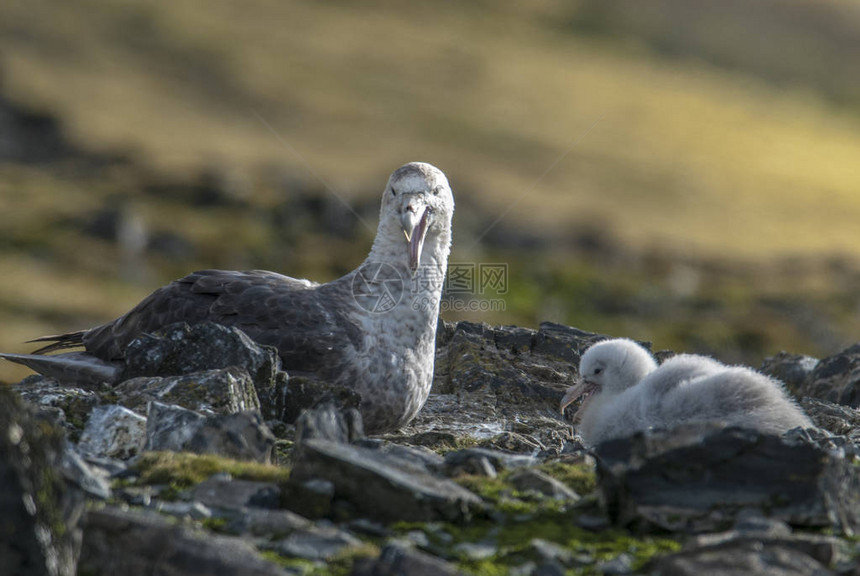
(417, 204)
(609, 367)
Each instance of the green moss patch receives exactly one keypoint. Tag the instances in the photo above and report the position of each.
(339, 565)
(512, 540)
(580, 477)
(518, 518)
(501, 495)
(183, 469)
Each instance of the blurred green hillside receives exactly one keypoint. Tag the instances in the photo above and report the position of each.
(681, 171)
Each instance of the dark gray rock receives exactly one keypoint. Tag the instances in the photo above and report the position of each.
(746, 556)
(190, 510)
(94, 481)
(475, 366)
(398, 560)
(39, 511)
(548, 568)
(142, 544)
(468, 460)
(530, 480)
(835, 418)
(113, 432)
(794, 370)
(477, 551)
(263, 523)
(47, 394)
(836, 379)
(491, 380)
(312, 498)
(842, 446)
(513, 442)
(472, 465)
(182, 349)
(563, 342)
(315, 543)
(377, 488)
(417, 458)
(236, 494)
(822, 549)
(290, 534)
(220, 391)
(170, 427)
(545, 551)
(327, 422)
(621, 564)
(698, 478)
(432, 439)
(243, 436)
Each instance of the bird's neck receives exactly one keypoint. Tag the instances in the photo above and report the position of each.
(391, 247)
(415, 294)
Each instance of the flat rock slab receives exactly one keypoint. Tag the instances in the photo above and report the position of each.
(236, 494)
(749, 557)
(478, 460)
(243, 436)
(835, 418)
(316, 543)
(833, 379)
(379, 489)
(181, 349)
(261, 522)
(699, 478)
(113, 432)
(536, 481)
(396, 559)
(73, 404)
(221, 391)
(142, 544)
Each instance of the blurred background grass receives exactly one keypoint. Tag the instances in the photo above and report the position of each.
(680, 171)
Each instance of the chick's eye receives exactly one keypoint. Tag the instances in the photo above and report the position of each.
(597, 371)
(393, 192)
(436, 191)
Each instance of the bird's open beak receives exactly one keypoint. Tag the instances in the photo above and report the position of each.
(583, 388)
(415, 221)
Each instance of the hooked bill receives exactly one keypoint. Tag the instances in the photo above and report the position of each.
(416, 241)
(584, 389)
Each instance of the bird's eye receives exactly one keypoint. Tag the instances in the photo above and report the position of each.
(436, 191)
(597, 371)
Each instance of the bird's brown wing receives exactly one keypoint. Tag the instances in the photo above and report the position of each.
(308, 324)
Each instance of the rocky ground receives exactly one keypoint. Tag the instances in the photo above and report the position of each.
(189, 467)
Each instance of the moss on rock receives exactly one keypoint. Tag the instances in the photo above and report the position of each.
(183, 469)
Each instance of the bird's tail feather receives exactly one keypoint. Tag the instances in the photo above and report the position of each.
(60, 341)
(77, 368)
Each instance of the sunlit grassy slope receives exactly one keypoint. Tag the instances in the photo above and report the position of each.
(661, 149)
(533, 116)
